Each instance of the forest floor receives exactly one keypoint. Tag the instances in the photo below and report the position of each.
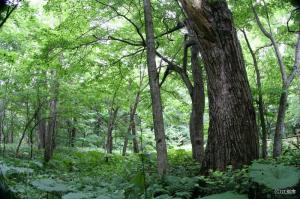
(76, 173)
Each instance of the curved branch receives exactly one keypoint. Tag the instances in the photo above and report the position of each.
(127, 19)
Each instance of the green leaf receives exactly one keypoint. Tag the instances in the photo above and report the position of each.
(50, 185)
(226, 195)
(76, 195)
(274, 176)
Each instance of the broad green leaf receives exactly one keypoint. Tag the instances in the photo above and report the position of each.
(226, 195)
(50, 185)
(275, 176)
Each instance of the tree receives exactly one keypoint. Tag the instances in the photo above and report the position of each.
(52, 122)
(260, 102)
(286, 81)
(7, 9)
(158, 122)
(195, 89)
(233, 135)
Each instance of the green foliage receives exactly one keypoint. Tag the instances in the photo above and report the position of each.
(274, 176)
(226, 195)
(50, 185)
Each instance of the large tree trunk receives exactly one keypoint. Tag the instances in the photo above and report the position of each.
(233, 135)
(198, 104)
(111, 123)
(158, 120)
(264, 149)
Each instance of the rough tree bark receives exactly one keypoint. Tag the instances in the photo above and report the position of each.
(264, 148)
(233, 134)
(198, 105)
(159, 131)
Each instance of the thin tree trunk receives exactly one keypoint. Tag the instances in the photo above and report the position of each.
(286, 82)
(198, 104)
(73, 133)
(11, 129)
(196, 92)
(260, 99)
(135, 142)
(41, 131)
(50, 132)
(124, 150)
(232, 134)
(2, 113)
(112, 119)
(161, 147)
(131, 127)
(27, 126)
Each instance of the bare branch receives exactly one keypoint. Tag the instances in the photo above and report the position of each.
(296, 62)
(173, 67)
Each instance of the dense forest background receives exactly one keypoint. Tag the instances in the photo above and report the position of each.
(149, 99)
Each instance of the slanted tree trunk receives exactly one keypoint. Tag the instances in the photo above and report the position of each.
(27, 126)
(111, 124)
(264, 148)
(159, 131)
(233, 135)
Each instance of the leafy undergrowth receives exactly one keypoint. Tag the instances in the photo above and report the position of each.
(78, 174)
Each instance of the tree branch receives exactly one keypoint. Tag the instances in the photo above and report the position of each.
(173, 67)
(127, 19)
(275, 45)
(9, 12)
(296, 62)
